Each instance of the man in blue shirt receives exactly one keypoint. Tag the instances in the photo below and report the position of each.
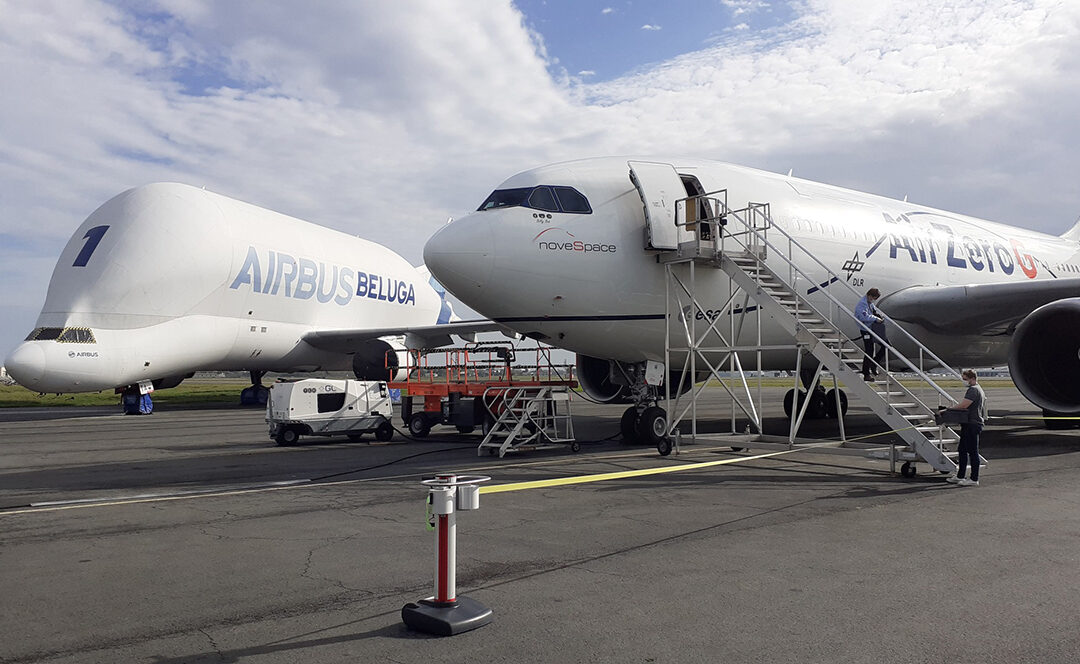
(869, 318)
(974, 402)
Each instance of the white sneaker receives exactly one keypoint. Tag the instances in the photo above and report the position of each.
(966, 482)
(953, 479)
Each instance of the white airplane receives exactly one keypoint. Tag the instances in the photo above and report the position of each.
(569, 253)
(166, 279)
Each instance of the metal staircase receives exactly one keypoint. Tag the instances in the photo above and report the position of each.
(767, 271)
(528, 417)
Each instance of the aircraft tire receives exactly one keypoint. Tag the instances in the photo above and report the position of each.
(628, 426)
(419, 427)
(790, 407)
(830, 404)
(652, 427)
(384, 432)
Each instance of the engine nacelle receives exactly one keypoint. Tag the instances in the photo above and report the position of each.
(1044, 357)
(604, 381)
(377, 359)
(594, 375)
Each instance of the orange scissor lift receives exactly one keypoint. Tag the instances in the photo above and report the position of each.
(516, 405)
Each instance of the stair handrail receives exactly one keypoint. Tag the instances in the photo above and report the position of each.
(756, 208)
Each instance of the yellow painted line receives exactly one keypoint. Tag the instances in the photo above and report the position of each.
(601, 477)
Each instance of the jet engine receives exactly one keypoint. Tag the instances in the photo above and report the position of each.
(373, 360)
(594, 375)
(1044, 357)
(605, 382)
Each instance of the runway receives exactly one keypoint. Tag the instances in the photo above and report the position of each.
(187, 536)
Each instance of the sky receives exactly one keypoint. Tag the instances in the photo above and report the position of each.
(383, 118)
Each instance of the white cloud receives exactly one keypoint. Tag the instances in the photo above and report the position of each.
(586, 72)
(649, 26)
(382, 119)
(606, 10)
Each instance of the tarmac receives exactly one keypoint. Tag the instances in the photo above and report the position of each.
(188, 536)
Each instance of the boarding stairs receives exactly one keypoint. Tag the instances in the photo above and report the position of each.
(764, 268)
(528, 418)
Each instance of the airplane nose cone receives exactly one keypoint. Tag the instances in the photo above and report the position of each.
(26, 364)
(461, 255)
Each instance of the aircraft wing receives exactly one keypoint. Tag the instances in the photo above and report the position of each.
(983, 309)
(425, 336)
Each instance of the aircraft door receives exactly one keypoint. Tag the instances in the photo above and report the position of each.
(659, 187)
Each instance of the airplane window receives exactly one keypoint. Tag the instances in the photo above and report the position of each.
(76, 335)
(543, 199)
(571, 200)
(45, 334)
(505, 198)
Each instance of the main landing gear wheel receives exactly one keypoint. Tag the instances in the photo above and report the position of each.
(419, 425)
(384, 432)
(628, 426)
(652, 427)
(908, 469)
(830, 403)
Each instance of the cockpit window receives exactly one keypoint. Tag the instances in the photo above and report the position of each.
(571, 200)
(506, 198)
(548, 199)
(542, 199)
(64, 335)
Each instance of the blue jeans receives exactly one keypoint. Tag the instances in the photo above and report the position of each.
(969, 450)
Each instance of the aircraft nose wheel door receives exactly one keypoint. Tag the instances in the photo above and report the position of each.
(659, 187)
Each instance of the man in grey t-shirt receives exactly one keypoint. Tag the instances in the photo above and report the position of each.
(974, 402)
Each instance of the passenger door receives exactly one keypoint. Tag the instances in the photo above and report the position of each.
(659, 187)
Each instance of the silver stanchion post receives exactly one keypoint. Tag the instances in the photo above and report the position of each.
(446, 614)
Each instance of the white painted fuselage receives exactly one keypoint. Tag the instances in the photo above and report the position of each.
(167, 279)
(586, 282)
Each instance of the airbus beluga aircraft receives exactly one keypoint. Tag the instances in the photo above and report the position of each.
(166, 279)
(569, 253)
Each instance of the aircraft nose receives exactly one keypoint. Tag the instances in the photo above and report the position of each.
(461, 255)
(26, 364)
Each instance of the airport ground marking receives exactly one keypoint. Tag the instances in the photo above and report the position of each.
(55, 506)
(602, 477)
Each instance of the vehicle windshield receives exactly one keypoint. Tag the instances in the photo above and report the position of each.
(543, 197)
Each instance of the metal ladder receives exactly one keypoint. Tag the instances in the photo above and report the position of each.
(528, 417)
(741, 249)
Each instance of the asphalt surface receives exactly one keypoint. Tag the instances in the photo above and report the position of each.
(187, 536)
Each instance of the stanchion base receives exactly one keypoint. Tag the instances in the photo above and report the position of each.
(429, 616)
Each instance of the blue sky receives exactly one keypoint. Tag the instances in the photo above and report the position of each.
(382, 119)
(598, 41)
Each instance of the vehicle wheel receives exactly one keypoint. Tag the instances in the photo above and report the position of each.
(652, 427)
(288, 437)
(908, 469)
(664, 446)
(575, 447)
(628, 426)
(384, 432)
(419, 425)
(465, 429)
(830, 403)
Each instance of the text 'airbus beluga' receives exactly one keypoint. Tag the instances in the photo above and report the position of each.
(166, 279)
(580, 254)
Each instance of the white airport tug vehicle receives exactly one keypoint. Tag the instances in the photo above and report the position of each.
(321, 407)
